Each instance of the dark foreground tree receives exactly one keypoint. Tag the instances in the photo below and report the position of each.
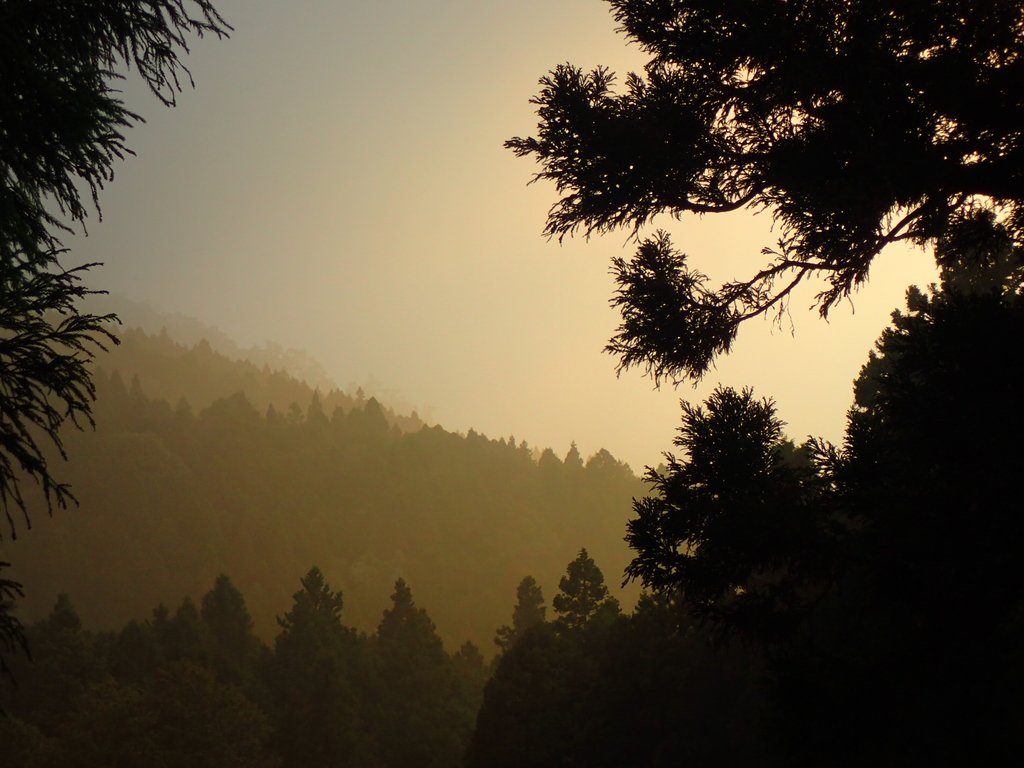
(917, 645)
(854, 124)
(315, 677)
(881, 575)
(736, 525)
(229, 628)
(635, 691)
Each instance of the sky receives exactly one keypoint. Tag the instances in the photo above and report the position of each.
(336, 183)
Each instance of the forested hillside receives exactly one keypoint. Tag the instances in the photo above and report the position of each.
(201, 373)
(200, 465)
(190, 331)
(840, 605)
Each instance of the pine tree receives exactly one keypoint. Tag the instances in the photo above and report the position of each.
(314, 677)
(233, 646)
(420, 726)
(528, 612)
(582, 594)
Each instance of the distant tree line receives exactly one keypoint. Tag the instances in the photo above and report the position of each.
(199, 373)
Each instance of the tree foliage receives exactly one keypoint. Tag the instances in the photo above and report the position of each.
(313, 680)
(62, 125)
(12, 636)
(862, 569)
(879, 574)
(921, 624)
(422, 722)
(315, 611)
(854, 124)
(736, 524)
(233, 646)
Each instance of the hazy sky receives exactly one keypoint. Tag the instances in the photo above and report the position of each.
(337, 183)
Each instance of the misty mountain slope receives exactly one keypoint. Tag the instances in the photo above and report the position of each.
(170, 370)
(172, 496)
(190, 331)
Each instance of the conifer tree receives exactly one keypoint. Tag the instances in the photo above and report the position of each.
(573, 462)
(314, 675)
(419, 727)
(582, 594)
(233, 645)
(528, 612)
(12, 636)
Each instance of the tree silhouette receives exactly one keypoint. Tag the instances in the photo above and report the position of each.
(573, 462)
(62, 125)
(183, 637)
(405, 629)
(736, 526)
(636, 691)
(63, 666)
(233, 646)
(315, 611)
(855, 124)
(921, 625)
(864, 569)
(528, 713)
(418, 724)
(528, 612)
(582, 594)
(879, 572)
(313, 678)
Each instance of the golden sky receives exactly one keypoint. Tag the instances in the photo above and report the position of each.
(337, 183)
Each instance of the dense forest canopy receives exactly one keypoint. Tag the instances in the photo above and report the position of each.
(193, 685)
